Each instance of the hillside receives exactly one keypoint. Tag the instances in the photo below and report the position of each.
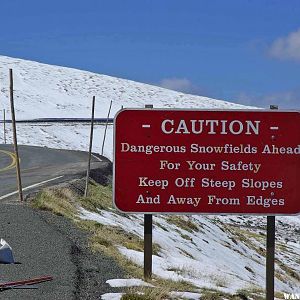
(45, 91)
(223, 253)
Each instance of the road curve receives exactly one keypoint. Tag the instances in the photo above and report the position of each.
(41, 164)
(44, 243)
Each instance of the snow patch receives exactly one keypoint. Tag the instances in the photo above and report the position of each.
(130, 282)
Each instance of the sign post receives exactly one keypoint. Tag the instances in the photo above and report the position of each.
(270, 259)
(148, 239)
(147, 246)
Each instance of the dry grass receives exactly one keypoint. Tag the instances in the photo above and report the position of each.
(178, 286)
(211, 294)
(99, 197)
(219, 280)
(63, 202)
(162, 290)
(59, 201)
(289, 271)
(106, 239)
(187, 271)
(106, 236)
(246, 237)
(256, 293)
(144, 293)
(184, 223)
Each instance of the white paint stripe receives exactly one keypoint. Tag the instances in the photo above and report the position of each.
(274, 128)
(29, 187)
(98, 158)
(146, 126)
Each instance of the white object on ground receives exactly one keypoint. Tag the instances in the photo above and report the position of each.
(127, 282)
(186, 295)
(6, 255)
(112, 296)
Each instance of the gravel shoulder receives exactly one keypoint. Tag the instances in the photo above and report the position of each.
(47, 244)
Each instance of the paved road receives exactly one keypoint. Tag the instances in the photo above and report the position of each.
(46, 244)
(40, 164)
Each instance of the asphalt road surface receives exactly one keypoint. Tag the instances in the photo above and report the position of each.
(48, 245)
(41, 165)
(45, 244)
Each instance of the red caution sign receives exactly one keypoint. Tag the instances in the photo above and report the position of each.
(210, 162)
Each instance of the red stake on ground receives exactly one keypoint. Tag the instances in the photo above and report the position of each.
(13, 284)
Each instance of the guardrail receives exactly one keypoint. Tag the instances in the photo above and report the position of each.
(63, 120)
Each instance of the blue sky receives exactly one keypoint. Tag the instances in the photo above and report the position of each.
(237, 50)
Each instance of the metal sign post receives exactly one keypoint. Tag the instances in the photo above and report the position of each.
(147, 246)
(148, 239)
(270, 258)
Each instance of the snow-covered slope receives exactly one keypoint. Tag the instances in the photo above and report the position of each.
(45, 91)
(210, 257)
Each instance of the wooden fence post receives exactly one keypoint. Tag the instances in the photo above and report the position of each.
(104, 137)
(90, 149)
(4, 127)
(13, 118)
